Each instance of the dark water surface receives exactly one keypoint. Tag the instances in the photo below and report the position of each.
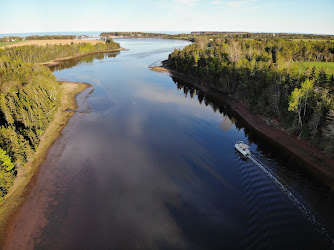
(151, 164)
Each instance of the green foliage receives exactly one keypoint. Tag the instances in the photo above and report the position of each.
(264, 75)
(132, 34)
(48, 37)
(245, 35)
(40, 54)
(295, 99)
(328, 67)
(295, 103)
(5, 161)
(328, 131)
(3, 44)
(29, 98)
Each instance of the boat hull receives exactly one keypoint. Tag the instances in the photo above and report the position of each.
(242, 149)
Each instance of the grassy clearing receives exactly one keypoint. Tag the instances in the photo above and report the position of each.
(313, 40)
(327, 66)
(8, 43)
(18, 192)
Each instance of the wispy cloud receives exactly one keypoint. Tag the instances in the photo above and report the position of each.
(239, 4)
(187, 2)
(217, 2)
(177, 5)
(233, 4)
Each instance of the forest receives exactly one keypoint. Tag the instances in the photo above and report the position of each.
(105, 35)
(264, 74)
(132, 34)
(36, 37)
(40, 54)
(29, 98)
(264, 35)
(217, 35)
(50, 37)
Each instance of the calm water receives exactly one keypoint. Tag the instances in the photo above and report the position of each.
(150, 163)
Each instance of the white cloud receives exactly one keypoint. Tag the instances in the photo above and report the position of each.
(187, 2)
(233, 4)
(176, 4)
(184, 105)
(239, 4)
(217, 2)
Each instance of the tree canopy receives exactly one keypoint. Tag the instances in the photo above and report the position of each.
(29, 98)
(263, 74)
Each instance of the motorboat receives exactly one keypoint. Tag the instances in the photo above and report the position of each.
(242, 148)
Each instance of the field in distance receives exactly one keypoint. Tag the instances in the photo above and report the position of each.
(312, 40)
(327, 66)
(51, 42)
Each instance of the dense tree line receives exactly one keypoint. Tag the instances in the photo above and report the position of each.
(50, 37)
(10, 39)
(263, 35)
(29, 98)
(216, 35)
(106, 35)
(39, 54)
(261, 74)
(37, 37)
(132, 34)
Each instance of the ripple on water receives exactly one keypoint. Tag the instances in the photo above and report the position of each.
(272, 219)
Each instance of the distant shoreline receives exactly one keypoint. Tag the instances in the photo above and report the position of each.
(62, 42)
(320, 164)
(52, 42)
(58, 61)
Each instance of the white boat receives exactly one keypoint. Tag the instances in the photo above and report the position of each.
(242, 148)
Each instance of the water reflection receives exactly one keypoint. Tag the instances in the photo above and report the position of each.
(82, 60)
(281, 163)
(153, 166)
(227, 123)
(231, 118)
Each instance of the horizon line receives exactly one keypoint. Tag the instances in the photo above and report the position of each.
(174, 31)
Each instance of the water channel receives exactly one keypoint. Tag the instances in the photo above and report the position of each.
(149, 162)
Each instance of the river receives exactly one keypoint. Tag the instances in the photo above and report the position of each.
(149, 162)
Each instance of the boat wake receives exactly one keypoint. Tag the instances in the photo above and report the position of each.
(306, 212)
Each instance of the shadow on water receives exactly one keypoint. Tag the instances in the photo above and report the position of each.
(161, 172)
(264, 145)
(82, 60)
(279, 161)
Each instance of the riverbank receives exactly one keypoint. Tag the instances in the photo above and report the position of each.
(23, 183)
(314, 160)
(61, 60)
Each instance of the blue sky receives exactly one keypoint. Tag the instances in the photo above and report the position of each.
(294, 16)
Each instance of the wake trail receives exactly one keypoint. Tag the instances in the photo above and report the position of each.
(306, 212)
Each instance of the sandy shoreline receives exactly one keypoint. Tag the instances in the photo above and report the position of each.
(23, 183)
(314, 160)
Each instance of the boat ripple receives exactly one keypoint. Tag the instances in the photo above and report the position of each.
(268, 212)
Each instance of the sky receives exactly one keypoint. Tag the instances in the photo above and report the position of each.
(291, 16)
